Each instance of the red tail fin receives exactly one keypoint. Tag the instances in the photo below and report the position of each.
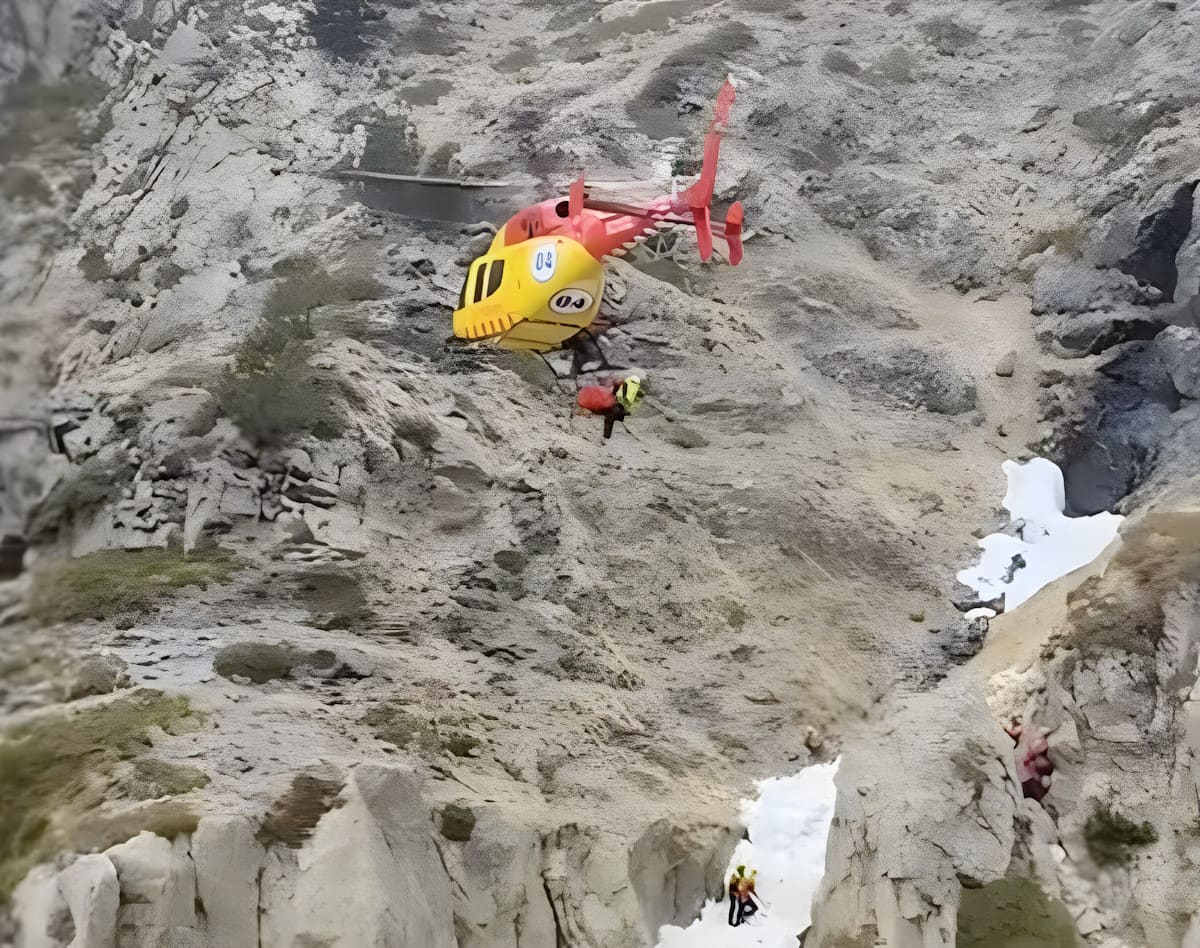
(700, 193)
(698, 198)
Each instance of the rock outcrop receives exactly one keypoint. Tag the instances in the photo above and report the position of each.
(375, 870)
(1104, 661)
(455, 670)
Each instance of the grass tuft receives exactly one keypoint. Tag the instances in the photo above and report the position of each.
(428, 736)
(55, 770)
(119, 582)
(271, 391)
(1111, 836)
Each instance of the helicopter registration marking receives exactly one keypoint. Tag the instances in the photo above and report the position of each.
(545, 262)
(570, 301)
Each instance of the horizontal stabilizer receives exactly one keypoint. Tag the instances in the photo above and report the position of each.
(733, 232)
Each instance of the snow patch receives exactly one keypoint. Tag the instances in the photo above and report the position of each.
(1041, 543)
(788, 825)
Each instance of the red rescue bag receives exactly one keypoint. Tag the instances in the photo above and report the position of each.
(597, 398)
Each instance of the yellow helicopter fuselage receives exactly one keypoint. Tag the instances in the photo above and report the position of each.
(533, 294)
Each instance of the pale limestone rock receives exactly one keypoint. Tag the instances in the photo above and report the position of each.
(1180, 347)
(500, 898)
(239, 500)
(202, 501)
(93, 893)
(40, 911)
(674, 868)
(228, 861)
(340, 527)
(453, 508)
(158, 891)
(587, 879)
(95, 433)
(1007, 364)
(932, 801)
(370, 875)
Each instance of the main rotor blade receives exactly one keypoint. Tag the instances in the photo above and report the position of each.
(432, 182)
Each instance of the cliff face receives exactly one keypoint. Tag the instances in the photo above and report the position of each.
(397, 616)
(373, 873)
(1104, 660)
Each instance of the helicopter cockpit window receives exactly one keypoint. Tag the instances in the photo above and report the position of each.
(495, 277)
(481, 274)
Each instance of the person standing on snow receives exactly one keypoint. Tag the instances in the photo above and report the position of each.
(613, 402)
(735, 915)
(749, 898)
(742, 902)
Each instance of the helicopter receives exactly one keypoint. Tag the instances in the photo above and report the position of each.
(540, 283)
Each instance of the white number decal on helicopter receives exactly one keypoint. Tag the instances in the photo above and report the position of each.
(570, 301)
(545, 262)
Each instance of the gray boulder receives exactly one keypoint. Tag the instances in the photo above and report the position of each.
(93, 894)
(909, 375)
(1180, 349)
(1070, 286)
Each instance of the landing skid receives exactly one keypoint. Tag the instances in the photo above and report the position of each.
(578, 362)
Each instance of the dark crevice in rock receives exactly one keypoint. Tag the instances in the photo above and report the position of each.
(560, 937)
(1126, 330)
(12, 555)
(1109, 443)
(1159, 237)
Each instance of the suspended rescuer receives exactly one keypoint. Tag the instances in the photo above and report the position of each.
(613, 401)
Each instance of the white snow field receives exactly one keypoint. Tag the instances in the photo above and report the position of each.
(788, 827)
(788, 823)
(1050, 543)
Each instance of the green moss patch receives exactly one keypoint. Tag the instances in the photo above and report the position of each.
(117, 582)
(395, 724)
(150, 779)
(1112, 837)
(56, 769)
(456, 823)
(271, 391)
(262, 662)
(1013, 913)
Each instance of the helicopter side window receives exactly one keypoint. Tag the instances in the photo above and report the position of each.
(495, 276)
(462, 294)
(479, 281)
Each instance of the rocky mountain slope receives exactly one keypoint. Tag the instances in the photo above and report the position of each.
(300, 592)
